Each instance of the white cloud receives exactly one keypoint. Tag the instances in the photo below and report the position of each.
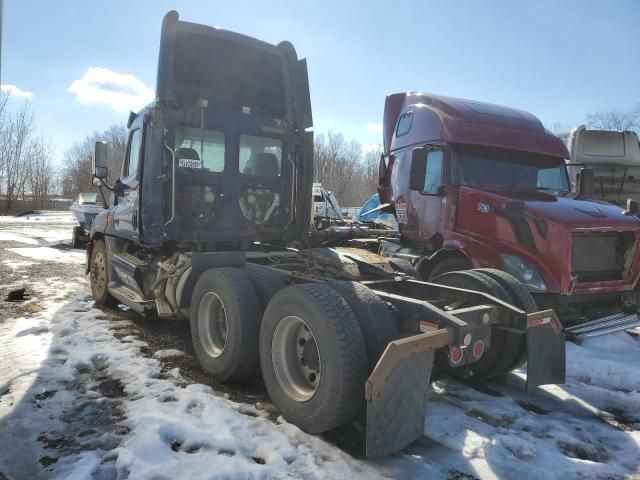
(374, 127)
(14, 91)
(121, 91)
(372, 147)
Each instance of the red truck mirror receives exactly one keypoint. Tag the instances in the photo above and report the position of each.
(418, 168)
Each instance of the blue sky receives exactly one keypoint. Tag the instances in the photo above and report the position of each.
(558, 59)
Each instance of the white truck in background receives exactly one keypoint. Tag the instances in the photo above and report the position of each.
(614, 158)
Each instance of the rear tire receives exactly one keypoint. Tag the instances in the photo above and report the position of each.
(505, 346)
(375, 320)
(224, 321)
(313, 357)
(266, 281)
(99, 275)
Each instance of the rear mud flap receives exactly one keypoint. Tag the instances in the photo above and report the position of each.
(397, 392)
(546, 361)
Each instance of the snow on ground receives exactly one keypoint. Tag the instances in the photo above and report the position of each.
(17, 264)
(173, 431)
(14, 237)
(51, 227)
(51, 254)
(81, 398)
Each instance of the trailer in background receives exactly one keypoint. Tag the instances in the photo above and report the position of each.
(614, 158)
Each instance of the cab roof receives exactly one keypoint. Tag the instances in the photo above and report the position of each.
(415, 118)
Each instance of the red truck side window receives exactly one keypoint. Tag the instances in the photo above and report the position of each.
(404, 124)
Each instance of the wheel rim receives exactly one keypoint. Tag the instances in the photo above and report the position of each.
(212, 324)
(296, 358)
(99, 273)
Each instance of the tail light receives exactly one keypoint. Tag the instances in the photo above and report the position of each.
(455, 355)
(478, 349)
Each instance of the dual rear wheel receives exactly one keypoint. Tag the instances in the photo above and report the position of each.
(314, 343)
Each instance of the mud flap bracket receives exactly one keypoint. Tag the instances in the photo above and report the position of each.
(397, 392)
(546, 361)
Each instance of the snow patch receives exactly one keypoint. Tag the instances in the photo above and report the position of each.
(50, 254)
(168, 353)
(14, 237)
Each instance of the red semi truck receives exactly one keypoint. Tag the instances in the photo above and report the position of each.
(476, 185)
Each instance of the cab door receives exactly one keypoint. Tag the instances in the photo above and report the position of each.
(126, 204)
(427, 194)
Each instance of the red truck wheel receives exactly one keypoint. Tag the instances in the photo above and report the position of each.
(451, 264)
(521, 299)
(505, 346)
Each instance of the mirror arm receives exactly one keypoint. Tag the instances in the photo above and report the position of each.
(105, 205)
(105, 185)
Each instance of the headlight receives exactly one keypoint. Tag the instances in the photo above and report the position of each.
(524, 272)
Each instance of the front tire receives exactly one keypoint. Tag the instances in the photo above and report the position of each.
(75, 239)
(99, 276)
(505, 346)
(313, 357)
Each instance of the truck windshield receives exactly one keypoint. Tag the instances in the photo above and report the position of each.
(503, 168)
(191, 153)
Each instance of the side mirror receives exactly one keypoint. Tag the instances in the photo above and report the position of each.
(585, 183)
(99, 163)
(633, 208)
(418, 168)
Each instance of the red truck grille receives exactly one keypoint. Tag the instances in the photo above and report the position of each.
(602, 256)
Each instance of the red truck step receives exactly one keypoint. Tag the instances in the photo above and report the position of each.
(602, 326)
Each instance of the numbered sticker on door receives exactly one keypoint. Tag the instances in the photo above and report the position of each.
(189, 163)
(401, 212)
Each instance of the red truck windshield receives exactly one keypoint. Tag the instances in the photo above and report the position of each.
(475, 166)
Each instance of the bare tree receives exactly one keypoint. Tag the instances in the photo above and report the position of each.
(341, 167)
(77, 173)
(42, 177)
(616, 120)
(15, 151)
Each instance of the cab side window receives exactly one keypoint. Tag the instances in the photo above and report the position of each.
(131, 162)
(433, 173)
(404, 124)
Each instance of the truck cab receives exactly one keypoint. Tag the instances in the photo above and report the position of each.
(484, 186)
(219, 156)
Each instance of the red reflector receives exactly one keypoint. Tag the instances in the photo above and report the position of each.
(478, 348)
(455, 355)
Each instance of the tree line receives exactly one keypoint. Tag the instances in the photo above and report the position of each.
(28, 177)
(342, 167)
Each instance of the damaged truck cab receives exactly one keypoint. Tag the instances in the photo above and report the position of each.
(476, 185)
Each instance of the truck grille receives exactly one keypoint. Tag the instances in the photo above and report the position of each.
(602, 256)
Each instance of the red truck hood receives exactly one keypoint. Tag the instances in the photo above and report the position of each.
(541, 228)
(567, 211)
